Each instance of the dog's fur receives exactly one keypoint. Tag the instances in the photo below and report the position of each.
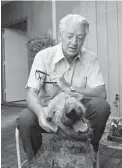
(65, 111)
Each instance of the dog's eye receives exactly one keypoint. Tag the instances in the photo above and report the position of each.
(54, 112)
(68, 102)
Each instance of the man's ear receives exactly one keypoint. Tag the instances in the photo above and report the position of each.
(59, 35)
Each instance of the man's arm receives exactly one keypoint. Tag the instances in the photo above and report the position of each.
(99, 91)
(33, 102)
(33, 86)
(35, 105)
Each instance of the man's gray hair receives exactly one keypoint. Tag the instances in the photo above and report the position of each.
(75, 17)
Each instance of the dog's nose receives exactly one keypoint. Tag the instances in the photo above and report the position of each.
(72, 114)
(49, 119)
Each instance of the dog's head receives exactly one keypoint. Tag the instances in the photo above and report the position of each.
(66, 109)
(67, 112)
(73, 110)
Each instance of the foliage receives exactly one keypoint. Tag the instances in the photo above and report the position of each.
(39, 43)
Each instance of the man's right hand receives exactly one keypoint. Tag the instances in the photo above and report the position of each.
(44, 123)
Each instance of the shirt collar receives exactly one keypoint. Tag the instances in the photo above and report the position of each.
(59, 54)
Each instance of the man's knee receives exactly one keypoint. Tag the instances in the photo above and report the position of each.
(98, 108)
(26, 119)
(101, 106)
(101, 109)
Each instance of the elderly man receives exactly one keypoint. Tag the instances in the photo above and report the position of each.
(74, 69)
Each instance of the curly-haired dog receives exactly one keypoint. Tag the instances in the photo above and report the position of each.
(67, 112)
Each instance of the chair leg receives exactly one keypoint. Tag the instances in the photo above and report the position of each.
(18, 148)
(97, 160)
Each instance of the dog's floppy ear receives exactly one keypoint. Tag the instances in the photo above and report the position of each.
(78, 96)
(83, 99)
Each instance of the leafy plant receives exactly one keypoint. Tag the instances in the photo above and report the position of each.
(39, 43)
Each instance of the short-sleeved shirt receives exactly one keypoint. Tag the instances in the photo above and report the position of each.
(83, 72)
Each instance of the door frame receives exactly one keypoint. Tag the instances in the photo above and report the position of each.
(15, 22)
(8, 98)
(3, 83)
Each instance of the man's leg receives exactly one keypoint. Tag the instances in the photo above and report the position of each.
(100, 111)
(30, 132)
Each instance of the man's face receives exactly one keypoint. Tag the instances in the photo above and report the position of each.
(72, 38)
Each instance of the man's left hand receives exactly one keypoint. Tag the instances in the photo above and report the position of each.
(61, 82)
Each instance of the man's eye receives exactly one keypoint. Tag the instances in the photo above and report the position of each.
(80, 38)
(69, 36)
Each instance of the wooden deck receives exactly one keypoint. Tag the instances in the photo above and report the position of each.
(110, 153)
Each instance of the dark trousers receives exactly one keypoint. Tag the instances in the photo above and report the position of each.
(30, 131)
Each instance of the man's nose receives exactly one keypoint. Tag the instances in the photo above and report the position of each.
(74, 41)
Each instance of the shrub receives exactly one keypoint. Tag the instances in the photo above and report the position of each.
(39, 43)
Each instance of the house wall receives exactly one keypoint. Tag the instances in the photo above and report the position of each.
(35, 11)
(39, 20)
(38, 14)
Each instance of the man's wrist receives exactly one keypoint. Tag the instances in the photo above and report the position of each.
(67, 89)
(72, 89)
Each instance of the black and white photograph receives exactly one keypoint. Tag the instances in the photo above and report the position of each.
(61, 84)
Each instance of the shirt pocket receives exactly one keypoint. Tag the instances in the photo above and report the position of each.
(50, 88)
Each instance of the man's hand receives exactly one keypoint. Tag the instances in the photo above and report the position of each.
(61, 82)
(44, 123)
